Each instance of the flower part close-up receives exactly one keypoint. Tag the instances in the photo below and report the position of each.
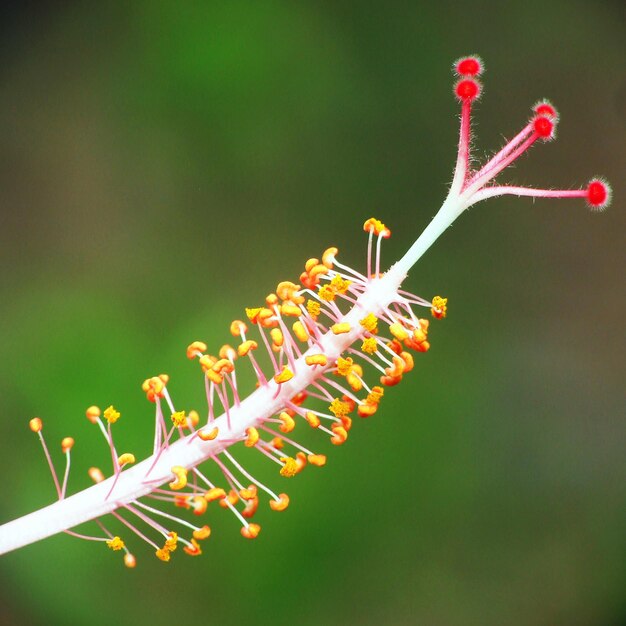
(323, 350)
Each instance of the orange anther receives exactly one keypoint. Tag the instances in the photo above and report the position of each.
(316, 359)
(285, 375)
(214, 377)
(390, 381)
(227, 352)
(290, 310)
(196, 348)
(340, 434)
(286, 289)
(129, 560)
(153, 388)
(181, 477)
(215, 493)
(210, 435)
(288, 423)
(312, 419)
(223, 366)
(199, 505)
(207, 362)
(66, 444)
(93, 413)
(299, 398)
(237, 328)
(35, 424)
(328, 258)
(181, 501)
(252, 504)
(318, 460)
(277, 336)
(230, 500)
(163, 554)
(375, 226)
(340, 329)
(267, 318)
(271, 300)
(246, 346)
(250, 531)
(300, 462)
(277, 443)
(126, 459)
(202, 533)
(247, 494)
(95, 474)
(193, 418)
(253, 437)
(194, 549)
(346, 422)
(318, 270)
(281, 504)
(407, 357)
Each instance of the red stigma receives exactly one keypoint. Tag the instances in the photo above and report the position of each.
(598, 194)
(544, 127)
(467, 89)
(468, 66)
(545, 108)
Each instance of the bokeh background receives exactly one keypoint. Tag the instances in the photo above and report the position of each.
(164, 164)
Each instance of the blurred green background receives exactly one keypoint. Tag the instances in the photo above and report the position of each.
(165, 164)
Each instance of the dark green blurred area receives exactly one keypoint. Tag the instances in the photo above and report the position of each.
(164, 165)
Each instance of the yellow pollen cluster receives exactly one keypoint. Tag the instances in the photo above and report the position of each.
(369, 345)
(370, 323)
(115, 544)
(440, 307)
(111, 415)
(339, 408)
(344, 366)
(179, 418)
(340, 285)
(314, 308)
(290, 467)
(326, 293)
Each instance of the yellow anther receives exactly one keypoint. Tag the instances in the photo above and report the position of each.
(126, 459)
(310, 264)
(290, 310)
(372, 225)
(340, 285)
(440, 307)
(328, 258)
(154, 387)
(344, 366)
(281, 504)
(288, 423)
(196, 348)
(163, 554)
(250, 531)
(223, 366)
(129, 560)
(316, 359)
(271, 300)
(399, 331)
(370, 323)
(289, 469)
(284, 376)
(95, 474)
(317, 459)
(249, 493)
(313, 307)
(171, 543)
(277, 336)
(367, 410)
(35, 424)
(286, 290)
(179, 418)
(278, 443)
(193, 418)
(313, 420)
(208, 435)
(300, 331)
(326, 293)
(227, 352)
(237, 328)
(214, 377)
(369, 345)
(207, 362)
(246, 346)
(93, 413)
(115, 544)
(339, 408)
(111, 415)
(253, 314)
(340, 434)
(181, 477)
(267, 318)
(253, 437)
(194, 549)
(215, 493)
(199, 505)
(340, 329)
(202, 533)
